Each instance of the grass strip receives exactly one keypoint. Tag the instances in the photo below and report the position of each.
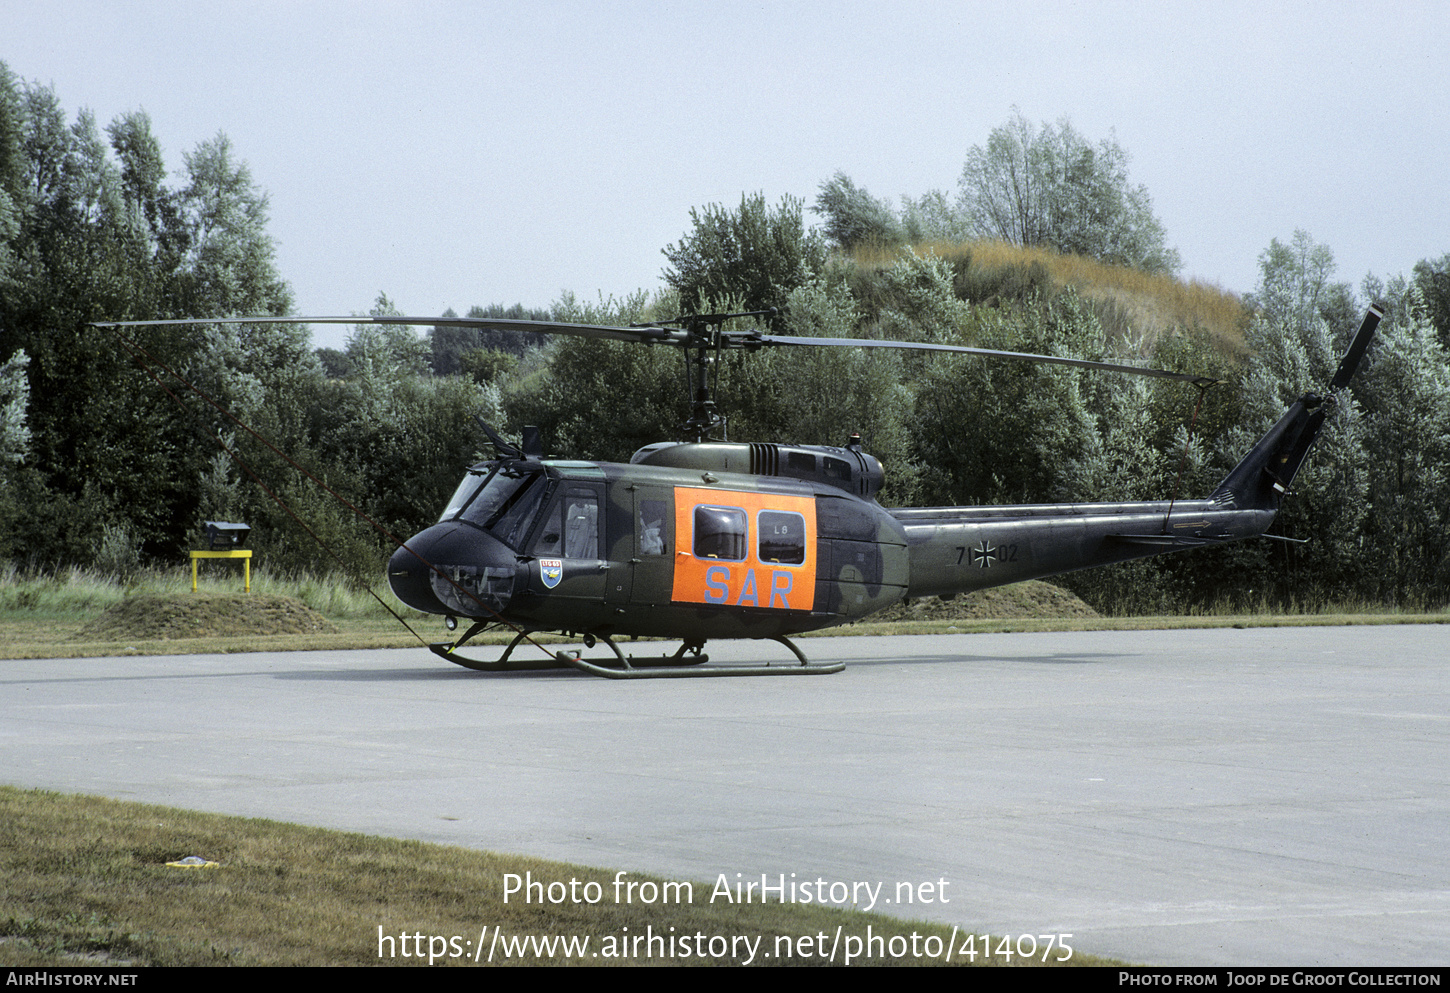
(56, 616)
(86, 882)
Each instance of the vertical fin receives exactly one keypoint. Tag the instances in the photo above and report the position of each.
(1262, 479)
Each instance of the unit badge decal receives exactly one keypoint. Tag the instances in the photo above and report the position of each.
(551, 571)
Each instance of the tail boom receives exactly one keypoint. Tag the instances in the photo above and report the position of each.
(959, 549)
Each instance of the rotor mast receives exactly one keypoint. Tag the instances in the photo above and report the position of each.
(704, 340)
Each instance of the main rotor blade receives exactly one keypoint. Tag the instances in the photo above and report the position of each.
(1132, 370)
(667, 336)
(646, 335)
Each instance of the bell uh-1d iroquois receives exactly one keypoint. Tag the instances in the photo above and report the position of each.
(707, 539)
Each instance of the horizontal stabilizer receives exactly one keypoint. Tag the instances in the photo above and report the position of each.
(1165, 540)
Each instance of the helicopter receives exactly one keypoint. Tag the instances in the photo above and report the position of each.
(709, 539)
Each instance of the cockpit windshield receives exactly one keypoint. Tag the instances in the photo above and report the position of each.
(465, 492)
(503, 502)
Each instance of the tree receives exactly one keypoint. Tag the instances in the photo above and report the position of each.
(383, 352)
(1406, 394)
(999, 432)
(449, 344)
(16, 482)
(1053, 187)
(754, 254)
(14, 404)
(77, 259)
(1432, 277)
(853, 216)
(335, 363)
(603, 399)
(12, 170)
(89, 232)
(1293, 352)
(933, 217)
(1295, 288)
(154, 212)
(487, 365)
(230, 266)
(821, 396)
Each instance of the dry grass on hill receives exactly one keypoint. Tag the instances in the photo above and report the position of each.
(1147, 304)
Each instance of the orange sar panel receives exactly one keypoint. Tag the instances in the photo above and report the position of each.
(744, 549)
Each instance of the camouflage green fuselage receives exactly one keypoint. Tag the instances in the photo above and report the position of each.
(721, 540)
(662, 573)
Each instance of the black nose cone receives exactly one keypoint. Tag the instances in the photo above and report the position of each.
(454, 568)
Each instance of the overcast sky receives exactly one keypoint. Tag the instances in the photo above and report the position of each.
(453, 154)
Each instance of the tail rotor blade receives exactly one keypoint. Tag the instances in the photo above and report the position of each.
(1356, 350)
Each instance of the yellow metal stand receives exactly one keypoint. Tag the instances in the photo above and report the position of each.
(245, 554)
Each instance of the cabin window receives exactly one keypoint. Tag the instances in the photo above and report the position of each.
(571, 528)
(652, 516)
(581, 525)
(720, 533)
(782, 537)
(837, 469)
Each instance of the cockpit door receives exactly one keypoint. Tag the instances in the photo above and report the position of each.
(569, 543)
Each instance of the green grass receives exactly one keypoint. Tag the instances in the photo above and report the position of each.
(85, 882)
(67, 591)
(46, 616)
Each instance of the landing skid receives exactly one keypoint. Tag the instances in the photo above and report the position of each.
(676, 666)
